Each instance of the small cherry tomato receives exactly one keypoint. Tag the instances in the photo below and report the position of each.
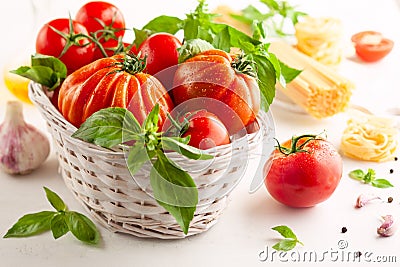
(305, 171)
(161, 51)
(206, 131)
(371, 46)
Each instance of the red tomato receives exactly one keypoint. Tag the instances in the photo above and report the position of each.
(102, 17)
(112, 82)
(221, 89)
(206, 131)
(105, 19)
(161, 51)
(52, 43)
(306, 175)
(371, 46)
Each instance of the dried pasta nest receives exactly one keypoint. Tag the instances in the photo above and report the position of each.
(368, 137)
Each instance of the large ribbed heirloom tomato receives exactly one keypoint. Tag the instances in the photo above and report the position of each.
(117, 81)
(220, 83)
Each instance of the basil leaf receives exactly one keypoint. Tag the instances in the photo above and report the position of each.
(294, 16)
(39, 74)
(258, 30)
(197, 23)
(241, 18)
(369, 176)
(55, 200)
(190, 152)
(140, 36)
(109, 127)
(234, 37)
(137, 156)
(191, 29)
(275, 19)
(174, 190)
(276, 64)
(266, 77)
(150, 124)
(164, 23)
(272, 4)
(31, 224)
(223, 40)
(285, 245)
(82, 227)
(250, 14)
(45, 70)
(53, 63)
(285, 231)
(357, 174)
(288, 73)
(381, 183)
(59, 226)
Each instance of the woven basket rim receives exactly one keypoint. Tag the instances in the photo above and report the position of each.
(70, 128)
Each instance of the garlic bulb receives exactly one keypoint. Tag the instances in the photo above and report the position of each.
(23, 148)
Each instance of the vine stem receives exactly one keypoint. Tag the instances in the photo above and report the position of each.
(294, 147)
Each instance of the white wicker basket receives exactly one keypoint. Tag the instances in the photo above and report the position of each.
(101, 181)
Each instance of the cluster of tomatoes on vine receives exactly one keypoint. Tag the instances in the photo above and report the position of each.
(97, 31)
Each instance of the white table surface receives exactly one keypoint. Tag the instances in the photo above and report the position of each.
(244, 229)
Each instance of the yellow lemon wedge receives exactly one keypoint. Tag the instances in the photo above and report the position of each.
(16, 84)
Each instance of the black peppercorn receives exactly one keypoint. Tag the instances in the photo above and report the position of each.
(344, 230)
(395, 158)
(391, 171)
(390, 199)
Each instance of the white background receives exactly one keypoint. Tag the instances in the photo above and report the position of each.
(244, 229)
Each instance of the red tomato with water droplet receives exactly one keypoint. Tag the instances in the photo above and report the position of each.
(306, 177)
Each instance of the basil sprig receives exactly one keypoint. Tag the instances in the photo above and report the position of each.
(173, 188)
(199, 25)
(369, 177)
(46, 70)
(278, 14)
(60, 222)
(289, 240)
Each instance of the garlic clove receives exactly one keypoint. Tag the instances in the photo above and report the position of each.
(23, 148)
(388, 226)
(364, 199)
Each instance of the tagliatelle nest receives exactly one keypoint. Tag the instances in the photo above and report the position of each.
(370, 138)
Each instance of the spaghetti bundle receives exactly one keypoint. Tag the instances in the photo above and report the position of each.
(320, 38)
(370, 138)
(319, 89)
